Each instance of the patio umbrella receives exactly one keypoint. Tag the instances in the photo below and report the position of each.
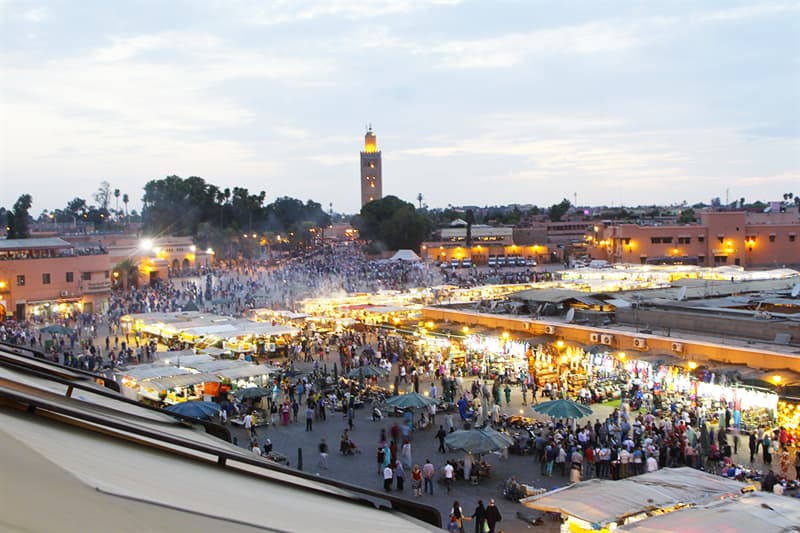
(55, 329)
(195, 409)
(412, 400)
(251, 393)
(478, 441)
(562, 409)
(366, 372)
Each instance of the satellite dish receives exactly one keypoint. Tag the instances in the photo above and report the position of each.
(796, 290)
(570, 315)
(682, 294)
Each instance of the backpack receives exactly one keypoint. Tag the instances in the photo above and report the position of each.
(381, 455)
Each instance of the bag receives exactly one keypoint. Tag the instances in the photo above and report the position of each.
(485, 526)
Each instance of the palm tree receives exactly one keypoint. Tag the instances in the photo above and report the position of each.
(419, 199)
(125, 200)
(126, 273)
(116, 197)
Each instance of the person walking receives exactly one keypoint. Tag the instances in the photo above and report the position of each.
(456, 517)
(387, 478)
(416, 480)
(441, 434)
(449, 476)
(405, 453)
(479, 515)
(248, 426)
(753, 447)
(309, 418)
(400, 475)
(323, 454)
(380, 456)
(492, 516)
(428, 471)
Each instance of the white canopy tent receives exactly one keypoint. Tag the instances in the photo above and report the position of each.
(405, 255)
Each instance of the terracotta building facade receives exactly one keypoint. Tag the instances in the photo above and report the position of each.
(722, 238)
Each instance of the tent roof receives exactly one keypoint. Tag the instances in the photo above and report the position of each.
(603, 501)
(405, 255)
(184, 380)
(756, 511)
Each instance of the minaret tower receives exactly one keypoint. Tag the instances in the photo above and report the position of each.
(371, 178)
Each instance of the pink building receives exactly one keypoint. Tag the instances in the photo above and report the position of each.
(51, 278)
(721, 238)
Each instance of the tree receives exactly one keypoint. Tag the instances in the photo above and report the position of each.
(125, 200)
(116, 197)
(469, 217)
(557, 211)
(19, 217)
(103, 195)
(687, 216)
(125, 274)
(392, 224)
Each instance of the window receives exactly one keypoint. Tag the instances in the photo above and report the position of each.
(372, 164)
(721, 239)
(70, 277)
(46, 279)
(792, 237)
(106, 274)
(772, 238)
(20, 281)
(86, 276)
(684, 240)
(701, 239)
(701, 259)
(719, 259)
(661, 240)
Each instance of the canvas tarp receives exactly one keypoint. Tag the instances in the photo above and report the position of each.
(600, 502)
(756, 511)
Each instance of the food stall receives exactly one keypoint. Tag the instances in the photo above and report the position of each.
(178, 388)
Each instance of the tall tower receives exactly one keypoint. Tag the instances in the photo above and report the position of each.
(371, 178)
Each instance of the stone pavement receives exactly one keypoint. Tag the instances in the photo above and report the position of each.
(361, 469)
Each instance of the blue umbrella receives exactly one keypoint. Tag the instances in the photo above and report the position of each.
(478, 441)
(413, 400)
(562, 409)
(251, 393)
(195, 409)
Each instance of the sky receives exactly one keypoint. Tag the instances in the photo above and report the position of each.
(473, 102)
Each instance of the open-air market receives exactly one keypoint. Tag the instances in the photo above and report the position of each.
(334, 363)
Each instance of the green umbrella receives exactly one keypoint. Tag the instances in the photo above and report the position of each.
(412, 400)
(251, 393)
(55, 329)
(478, 441)
(366, 372)
(562, 409)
